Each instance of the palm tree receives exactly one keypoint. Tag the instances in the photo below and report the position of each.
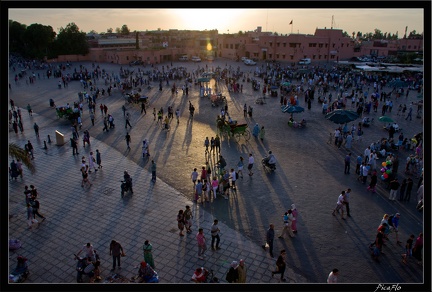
(17, 152)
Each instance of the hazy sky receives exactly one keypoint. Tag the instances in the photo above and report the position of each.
(275, 20)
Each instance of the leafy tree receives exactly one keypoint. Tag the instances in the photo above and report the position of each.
(71, 41)
(16, 36)
(16, 152)
(117, 30)
(109, 30)
(93, 32)
(124, 29)
(38, 38)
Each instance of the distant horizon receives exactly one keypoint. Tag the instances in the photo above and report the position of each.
(304, 21)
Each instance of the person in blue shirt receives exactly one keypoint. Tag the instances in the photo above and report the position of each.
(359, 161)
(395, 225)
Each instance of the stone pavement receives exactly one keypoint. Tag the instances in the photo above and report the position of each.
(303, 157)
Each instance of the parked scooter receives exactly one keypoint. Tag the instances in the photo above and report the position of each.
(21, 271)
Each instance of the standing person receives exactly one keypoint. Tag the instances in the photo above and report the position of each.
(105, 122)
(143, 108)
(215, 235)
(206, 144)
(240, 165)
(116, 250)
(359, 162)
(29, 148)
(153, 170)
(29, 109)
(201, 241)
(36, 129)
(373, 183)
(346, 201)
(332, 277)
(148, 256)
(212, 145)
(105, 109)
(19, 167)
(347, 163)
(187, 213)
(232, 275)
(84, 176)
(408, 248)
(408, 189)
(92, 117)
(194, 177)
(88, 250)
(98, 159)
(127, 121)
(281, 265)
(30, 216)
(203, 175)
(74, 145)
(409, 113)
(199, 191)
(256, 130)
(177, 113)
(128, 140)
(294, 220)
(250, 164)
(402, 189)
(364, 171)
(261, 134)
(217, 144)
(233, 177)
(394, 224)
(92, 161)
(340, 205)
(269, 239)
(215, 185)
(242, 272)
(180, 222)
(394, 187)
(124, 110)
(245, 110)
(417, 249)
(154, 114)
(206, 190)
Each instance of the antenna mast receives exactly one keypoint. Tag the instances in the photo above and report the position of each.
(332, 23)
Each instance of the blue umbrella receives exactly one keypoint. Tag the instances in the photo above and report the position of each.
(341, 116)
(293, 109)
(397, 83)
(274, 87)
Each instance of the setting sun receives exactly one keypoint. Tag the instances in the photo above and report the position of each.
(205, 19)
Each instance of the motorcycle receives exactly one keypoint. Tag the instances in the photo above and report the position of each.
(82, 264)
(126, 187)
(21, 271)
(265, 163)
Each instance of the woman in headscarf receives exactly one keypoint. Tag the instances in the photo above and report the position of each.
(256, 130)
(148, 256)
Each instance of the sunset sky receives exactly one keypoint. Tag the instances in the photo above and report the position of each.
(227, 20)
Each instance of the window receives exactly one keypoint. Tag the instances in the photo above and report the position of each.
(271, 44)
(313, 57)
(341, 45)
(319, 57)
(292, 45)
(284, 45)
(325, 56)
(277, 56)
(291, 57)
(415, 47)
(278, 45)
(237, 46)
(320, 45)
(127, 58)
(283, 57)
(409, 47)
(332, 56)
(326, 45)
(270, 56)
(334, 45)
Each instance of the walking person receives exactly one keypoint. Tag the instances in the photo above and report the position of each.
(240, 165)
(242, 270)
(105, 122)
(215, 235)
(92, 117)
(232, 275)
(245, 110)
(256, 130)
(212, 145)
(294, 220)
(409, 113)
(269, 239)
(346, 201)
(116, 250)
(30, 216)
(287, 219)
(373, 183)
(417, 249)
(98, 159)
(29, 109)
(340, 205)
(217, 144)
(347, 163)
(408, 249)
(143, 108)
(153, 170)
(280, 265)
(215, 185)
(250, 164)
(127, 121)
(29, 148)
(402, 189)
(177, 113)
(201, 241)
(92, 161)
(262, 134)
(206, 144)
(180, 222)
(187, 214)
(84, 173)
(148, 256)
(36, 206)
(36, 129)
(128, 140)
